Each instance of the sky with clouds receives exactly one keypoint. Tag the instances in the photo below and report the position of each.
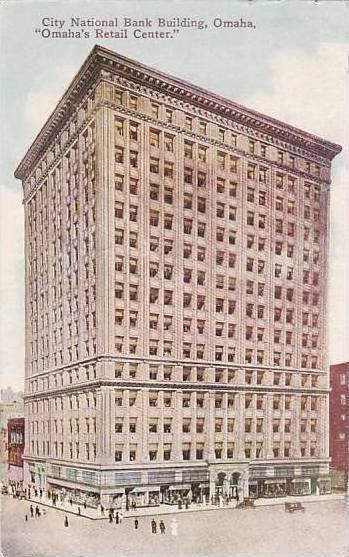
(293, 66)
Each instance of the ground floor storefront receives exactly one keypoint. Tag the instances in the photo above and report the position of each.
(211, 483)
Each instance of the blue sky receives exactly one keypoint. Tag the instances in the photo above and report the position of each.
(293, 66)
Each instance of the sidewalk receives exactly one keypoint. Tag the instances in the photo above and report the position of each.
(95, 514)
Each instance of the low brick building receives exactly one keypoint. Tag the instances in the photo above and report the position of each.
(339, 422)
(15, 446)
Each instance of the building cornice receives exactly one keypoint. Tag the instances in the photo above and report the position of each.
(101, 58)
(203, 387)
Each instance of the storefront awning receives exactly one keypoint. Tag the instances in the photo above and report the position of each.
(203, 485)
(144, 489)
(300, 480)
(179, 487)
(275, 481)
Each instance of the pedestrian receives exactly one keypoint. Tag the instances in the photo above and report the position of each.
(121, 516)
(71, 501)
(26, 518)
(116, 518)
(136, 523)
(79, 511)
(66, 524)
(102, 509)
(84, 504)
(110, 516)
(31, 511)
(162, 527)
(40, 493)
(36, 492)
(153, 526)
(37, 511)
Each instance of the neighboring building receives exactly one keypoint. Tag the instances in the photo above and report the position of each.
(9, 395)
(339, 422)
(8, 410)
(176, 270)
(15, 428)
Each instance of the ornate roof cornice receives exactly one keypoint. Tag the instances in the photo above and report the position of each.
(103, 58)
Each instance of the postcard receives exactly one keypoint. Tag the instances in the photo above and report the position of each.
(174, 278)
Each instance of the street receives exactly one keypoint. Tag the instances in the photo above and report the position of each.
(321, 531)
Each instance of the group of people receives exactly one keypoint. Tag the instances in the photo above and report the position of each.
(34, 512)
(117, 515)
(154, 527)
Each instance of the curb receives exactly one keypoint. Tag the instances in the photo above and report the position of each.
(171, 511)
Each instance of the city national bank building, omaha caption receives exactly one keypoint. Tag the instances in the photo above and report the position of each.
(176, 249)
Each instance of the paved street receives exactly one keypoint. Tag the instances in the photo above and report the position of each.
(322, 531)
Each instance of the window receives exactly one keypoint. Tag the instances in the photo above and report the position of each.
(263, 175)
(262, 198)
(188, 149)
(220, 210)
(188, 123)
(154, 165)
(168, 115)
(133, 102)
(250, 218)
(281, 157)
(202, 127)
(119, 127)
(154, 138)
(154, 192)
(168, 196)
(221, 158)
(119, 182)
(201, 179)
(169, 143)
(201, 205)
(251, 171)
(133, 159)
(155, 110)
(202, 153)
(168, 169)
(133, 131)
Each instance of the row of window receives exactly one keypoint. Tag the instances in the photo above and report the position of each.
(204, 127)
(219, 453)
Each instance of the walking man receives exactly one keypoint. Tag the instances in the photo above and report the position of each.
(66, 524)
(153, 526)
(162, 527)
(37, 511)
(136, 523)
(116, 518)
(31, 511)
(110, 516)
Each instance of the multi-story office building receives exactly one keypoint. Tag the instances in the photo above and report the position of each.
(339, 422)
(176, 248)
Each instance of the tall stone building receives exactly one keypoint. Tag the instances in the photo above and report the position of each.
(176, 270)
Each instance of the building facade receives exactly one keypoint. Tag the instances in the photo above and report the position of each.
(339, 422)
(8, 410)
(176, 248)
(15, 428)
